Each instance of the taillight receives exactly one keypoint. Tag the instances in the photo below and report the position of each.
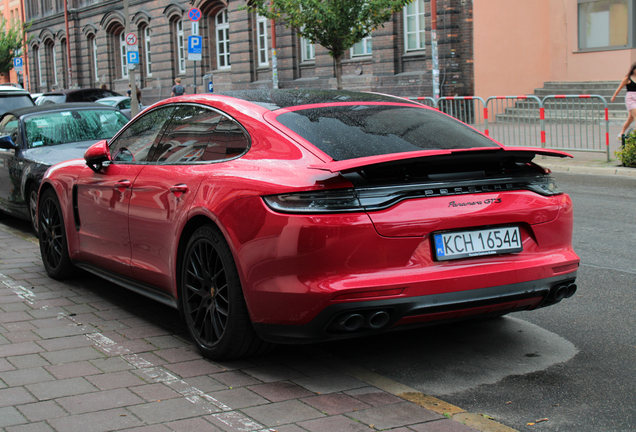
(326, 201)
(544, 186)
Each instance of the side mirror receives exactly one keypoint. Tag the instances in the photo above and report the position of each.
(97, 154)
(7, 143)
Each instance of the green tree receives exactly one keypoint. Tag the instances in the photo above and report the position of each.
(11, 41)
(335, 24)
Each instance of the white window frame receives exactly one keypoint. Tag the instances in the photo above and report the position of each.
(222, 40)
(147, 34)
(123, 54)
(419, 32)
(307, 50)
(54, 64)
(181, 64)
(261, 38)
(40, 65)
(364, 47)
(94, 48)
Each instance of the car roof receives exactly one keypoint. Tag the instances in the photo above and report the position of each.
(13, 90)
(117, 98)
(286, 98)
(81, 90)
(19, 112)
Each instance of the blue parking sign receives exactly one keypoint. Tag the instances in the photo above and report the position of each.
(195, 44)
(18, 63)
(133, 57)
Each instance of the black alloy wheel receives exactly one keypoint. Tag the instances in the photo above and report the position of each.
(53, 242)
(212, 301)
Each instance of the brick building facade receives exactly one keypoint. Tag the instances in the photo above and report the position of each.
(396, 59)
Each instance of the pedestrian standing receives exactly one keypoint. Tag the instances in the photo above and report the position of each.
(177, 88)
(629, 82)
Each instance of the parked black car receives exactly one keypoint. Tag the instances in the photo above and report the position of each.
(32, 139)
(75, 95)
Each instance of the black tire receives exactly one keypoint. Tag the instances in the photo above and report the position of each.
(211, 299)
(53, 241)
(32, 206)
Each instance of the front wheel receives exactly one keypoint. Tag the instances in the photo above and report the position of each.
(53, 242)
(32, 204)
(211, 299)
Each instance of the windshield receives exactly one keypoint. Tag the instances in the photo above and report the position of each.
(51, 99)
(9, 103)
(354, 131)
(109, 102)
(61, 127)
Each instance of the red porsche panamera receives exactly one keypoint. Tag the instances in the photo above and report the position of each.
(303, 216)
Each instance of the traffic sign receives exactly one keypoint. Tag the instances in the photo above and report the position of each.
(133, 57)
(131, 39)
(195, 48)
(17, 64)
(195, 28)
(194, 14)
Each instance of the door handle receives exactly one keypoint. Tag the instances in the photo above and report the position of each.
(122, 185)
(179, 189)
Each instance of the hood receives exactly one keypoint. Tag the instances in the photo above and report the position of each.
(51, 155)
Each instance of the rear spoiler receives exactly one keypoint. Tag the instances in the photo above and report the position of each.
(355, 164)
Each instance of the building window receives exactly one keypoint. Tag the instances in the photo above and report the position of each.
(362, 48)
(180, 47)
(147, 34)
(38, 54)
(123, 55)
(414, 26)
(222, 40)
(51, 63)
(603, 24)
(307, 51)
(261, 38)
(93, 44)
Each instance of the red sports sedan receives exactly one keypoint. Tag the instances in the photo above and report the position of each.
(304, 216)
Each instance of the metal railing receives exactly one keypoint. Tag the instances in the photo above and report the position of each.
(561, 122)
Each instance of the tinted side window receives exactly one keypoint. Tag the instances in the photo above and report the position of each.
(9, 126)
(198, 134)
(139, 139)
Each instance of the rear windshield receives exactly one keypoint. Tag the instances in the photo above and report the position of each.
(42, 100)
(354, 131)
(9, 103)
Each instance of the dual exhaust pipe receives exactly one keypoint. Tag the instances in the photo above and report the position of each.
(561, 292)
(353, 321)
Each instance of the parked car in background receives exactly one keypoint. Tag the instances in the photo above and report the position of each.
(122, 103)
(34, 138)
(75, 95)
(35, 97)
(12, 97)
(297, 216)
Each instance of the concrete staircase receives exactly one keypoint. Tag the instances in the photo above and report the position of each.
(616, 110)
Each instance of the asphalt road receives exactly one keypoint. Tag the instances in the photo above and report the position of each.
(569, 367)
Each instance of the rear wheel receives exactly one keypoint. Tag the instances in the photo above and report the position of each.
(53, 242)
(212, 300)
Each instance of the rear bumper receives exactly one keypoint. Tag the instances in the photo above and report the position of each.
(330, 323)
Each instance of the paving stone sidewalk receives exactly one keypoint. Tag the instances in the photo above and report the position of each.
(85, 355)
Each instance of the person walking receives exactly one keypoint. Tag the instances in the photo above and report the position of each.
(629, 82)
(177, 88)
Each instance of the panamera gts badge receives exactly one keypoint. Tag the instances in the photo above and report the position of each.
(473, 203)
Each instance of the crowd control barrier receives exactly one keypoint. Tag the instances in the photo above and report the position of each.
(561, 122)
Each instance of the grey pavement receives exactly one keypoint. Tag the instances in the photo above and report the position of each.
(85, 355)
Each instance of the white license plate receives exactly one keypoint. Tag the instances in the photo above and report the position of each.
(463, 244)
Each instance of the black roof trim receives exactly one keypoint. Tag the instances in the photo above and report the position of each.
(58, 107)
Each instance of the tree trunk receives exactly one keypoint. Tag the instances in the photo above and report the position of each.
(338, 67)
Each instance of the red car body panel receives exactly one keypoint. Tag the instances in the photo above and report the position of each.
(293, 267)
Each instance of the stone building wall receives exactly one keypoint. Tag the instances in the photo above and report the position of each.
(388, 69)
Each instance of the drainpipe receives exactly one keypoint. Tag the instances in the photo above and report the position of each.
(434, 53)
(25, 71)
(274, 58)
(68, 45)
